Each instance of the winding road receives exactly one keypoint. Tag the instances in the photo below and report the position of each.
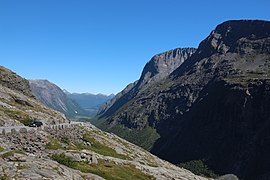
(17, 128)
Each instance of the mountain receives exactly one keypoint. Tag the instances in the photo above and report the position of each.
(66, 150)
(213, 108)
(18, 105)
(89, 102)
(159, 67)
(54, 97)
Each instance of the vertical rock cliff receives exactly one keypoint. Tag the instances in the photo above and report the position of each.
(214, 107)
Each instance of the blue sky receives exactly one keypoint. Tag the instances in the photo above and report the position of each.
(99, 46)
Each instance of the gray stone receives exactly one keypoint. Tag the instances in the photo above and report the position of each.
(228, 177)
(23, 130)
(31, 131)
(94, 159)
(3, 132)
(13, 131)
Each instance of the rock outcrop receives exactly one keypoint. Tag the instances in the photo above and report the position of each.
(21, 166)
(12, 81)
(18, 105)
(214, 107)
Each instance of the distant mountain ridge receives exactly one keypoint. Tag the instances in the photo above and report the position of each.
(90, 102)
(54, 97)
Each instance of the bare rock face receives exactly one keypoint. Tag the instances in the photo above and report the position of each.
(49, 94)
(158, 68)
(214, 107)
(163, 64)
(54, 97)
(12, 81)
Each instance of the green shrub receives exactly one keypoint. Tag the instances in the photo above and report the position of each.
(198, 167)
(65, 160)
(144, 138)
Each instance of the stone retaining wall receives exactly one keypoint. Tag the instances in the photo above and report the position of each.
(22, 129)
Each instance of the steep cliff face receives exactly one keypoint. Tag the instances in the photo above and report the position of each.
(54, 97)
(18, 105)
(158, 68)
(214, 107)
(163, 64)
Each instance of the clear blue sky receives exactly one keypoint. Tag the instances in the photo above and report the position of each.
(99, 46)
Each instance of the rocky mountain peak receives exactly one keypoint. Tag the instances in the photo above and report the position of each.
(230, 33)
(159, 67)
(163, 64)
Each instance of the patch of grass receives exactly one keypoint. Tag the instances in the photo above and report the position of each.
(19, 152)
(7, 154)
(63, 159)
(144, 138)
(21, 167)
(27, 121)
(96, 146)
(1, 149)
(18, 115)
(4, 69)
(5, 177)
(100, 148)
(65, 140)
(53, 144)
(198, 167)
(11, 153)
(58, 171)
(107, 170)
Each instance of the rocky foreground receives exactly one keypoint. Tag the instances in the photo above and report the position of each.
(79, 151)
